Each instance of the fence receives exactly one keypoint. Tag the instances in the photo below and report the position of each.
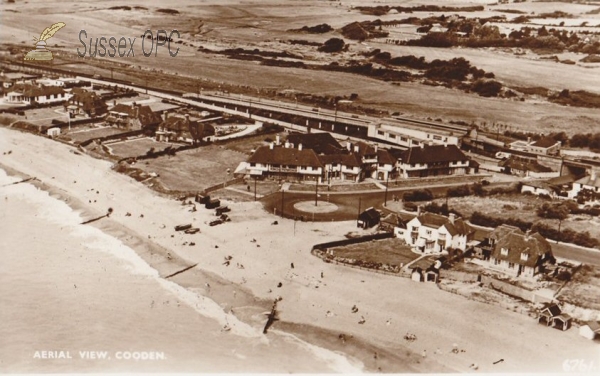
(514, 291)
(362, 239)
(222, 185)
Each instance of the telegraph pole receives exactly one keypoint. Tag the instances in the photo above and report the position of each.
(387, 183)
(255, 188)
(316, 189)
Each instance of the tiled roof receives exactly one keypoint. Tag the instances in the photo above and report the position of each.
(535, 246)
(370, 214)
(432, 154)
(545, 142)
(383, 156)
(30, 91)
(553, 310)
(185, 127)
(88, 100)
(321, 143)
(587, 180)
(348, 160)
(285, 156)
(523, 166)
(145, 114)
(364, 149)
(436, 221)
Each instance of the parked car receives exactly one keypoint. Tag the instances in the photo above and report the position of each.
(215, 222)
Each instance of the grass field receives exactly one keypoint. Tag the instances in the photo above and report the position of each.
(584, 288)
(84, 133)
(195, 169)
(138, 147)
(522, 207)
(387, 251)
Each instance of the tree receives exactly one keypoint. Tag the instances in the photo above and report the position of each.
(333, 45)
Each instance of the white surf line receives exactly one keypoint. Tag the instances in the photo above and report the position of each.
(60, 213)
(337, 361)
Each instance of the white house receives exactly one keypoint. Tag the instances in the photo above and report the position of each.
(28, 94)
(519, 254)
(434, 233)
(591, 183)
(409, 134)
(435, 160)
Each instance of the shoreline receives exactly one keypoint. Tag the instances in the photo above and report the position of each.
(195, 280)
(314, 308)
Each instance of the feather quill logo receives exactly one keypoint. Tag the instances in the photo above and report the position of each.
(41, 53)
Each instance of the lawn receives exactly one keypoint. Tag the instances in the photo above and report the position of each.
(137, 147)
(522, 207)
(387, 251)
(195, 169)
(246, 145)
(584, 288)
(84, 133)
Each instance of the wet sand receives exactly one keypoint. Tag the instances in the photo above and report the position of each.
(390, 306)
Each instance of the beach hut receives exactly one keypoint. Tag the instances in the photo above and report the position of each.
(417, 274)
(590, 330)
(369, 218)
(562, 321)
(547, 314)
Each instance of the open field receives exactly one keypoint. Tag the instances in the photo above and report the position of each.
(393, 252)
(265, 24)
(138, 147)
(584, 288)
(195, 169)
(83, 133)
(522, 207)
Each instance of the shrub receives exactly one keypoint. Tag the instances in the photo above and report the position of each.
(418, 195)
(460, 191)
(333, 45)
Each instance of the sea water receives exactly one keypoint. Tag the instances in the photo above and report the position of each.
(74, 299)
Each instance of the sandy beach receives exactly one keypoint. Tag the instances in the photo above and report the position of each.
(314, 308)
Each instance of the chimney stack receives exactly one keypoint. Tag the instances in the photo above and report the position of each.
(418, 210)
(422, 145)
(287, 144)
(451, 217)
(277, 140)
(348, 146)
(300, 146)
(271, 146)
(356, 148)
(527, 234)
(114, 102)
(375, 146)
(528, 140)
(187, 118)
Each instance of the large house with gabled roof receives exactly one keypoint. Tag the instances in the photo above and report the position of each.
(133, 117)
(434, 160)
(434, 233)
(518, 254)
(282, 162)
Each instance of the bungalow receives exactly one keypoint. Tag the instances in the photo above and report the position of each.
(434, 233)
(434, 160)
(30, 94)
(282, 162)
(523, 166)
(590, 330)
(555, 187)
(543, 146)
(10, 79)
(368, 218)
(520, 254)
(176, 128)
(133, 117)
(590, 183)
(85, 103)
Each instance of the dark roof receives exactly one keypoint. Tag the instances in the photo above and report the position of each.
(535, 246)
(285, 156)
(523, 166)
(321, 143)
(30, 90)
(88, 100)
(145, 115)
(436, 221)
(545, 142)
(364, 149)
(183, 126)
(553, 310)
(383, 156)
(348, 160)
(432, 154)
(370, 215)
